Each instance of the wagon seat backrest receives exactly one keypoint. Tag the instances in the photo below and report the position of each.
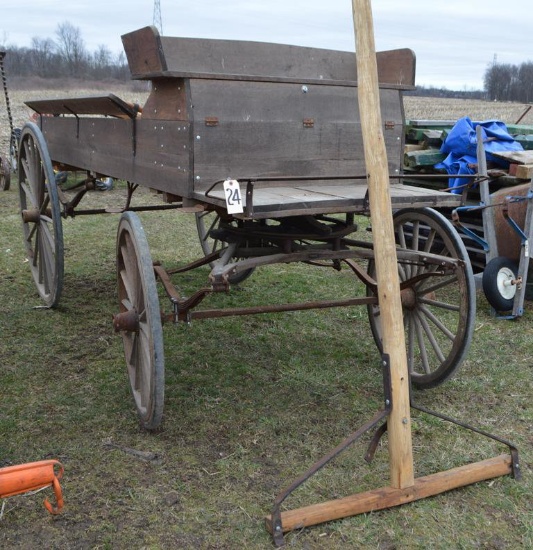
(254, 109)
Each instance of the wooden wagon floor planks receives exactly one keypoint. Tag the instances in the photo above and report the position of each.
(272, 202)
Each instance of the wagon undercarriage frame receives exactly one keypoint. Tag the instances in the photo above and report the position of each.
(437, 290)
(431, 260)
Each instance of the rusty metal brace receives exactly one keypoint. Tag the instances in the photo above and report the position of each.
(277, 526)
(512, 448)
(515, 466)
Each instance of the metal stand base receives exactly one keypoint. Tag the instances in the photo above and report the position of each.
(280, 522)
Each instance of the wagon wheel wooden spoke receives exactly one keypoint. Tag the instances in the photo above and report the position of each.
(449, 334)
(142, 335)
(421, 345)
(46, 254)
(142, 373)
(439, 311)
(430, 336)
(41, 215)
(206, 222)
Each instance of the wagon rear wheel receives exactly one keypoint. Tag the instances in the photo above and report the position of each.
(206, 222)
(41, 216)
(438, 311)
(139, 321)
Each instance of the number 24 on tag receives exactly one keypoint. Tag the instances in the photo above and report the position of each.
(232, 191)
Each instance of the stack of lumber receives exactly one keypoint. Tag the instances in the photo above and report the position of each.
(423, 139)
(520, 163)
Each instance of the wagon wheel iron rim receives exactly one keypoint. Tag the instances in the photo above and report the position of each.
(41, 215)
(206, 222)
(439, 310)
(143, 337)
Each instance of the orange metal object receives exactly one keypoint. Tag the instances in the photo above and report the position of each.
(22, 478)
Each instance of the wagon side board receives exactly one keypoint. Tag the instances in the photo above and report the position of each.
(151, 153)
(283, 130)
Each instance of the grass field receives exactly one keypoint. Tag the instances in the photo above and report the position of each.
(250, 404)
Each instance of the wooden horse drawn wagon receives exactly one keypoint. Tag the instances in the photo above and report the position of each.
(263, 144)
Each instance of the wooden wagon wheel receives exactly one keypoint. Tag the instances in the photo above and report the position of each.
(41, 215)
(439, 312)
(5, 175)
(205, 223)
(139, 321)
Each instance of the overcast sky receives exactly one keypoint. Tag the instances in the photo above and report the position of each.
(454, 40)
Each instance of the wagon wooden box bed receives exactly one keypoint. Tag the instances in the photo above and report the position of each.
(282, 122)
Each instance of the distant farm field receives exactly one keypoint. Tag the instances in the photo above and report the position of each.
(432, 108)
(417, 108)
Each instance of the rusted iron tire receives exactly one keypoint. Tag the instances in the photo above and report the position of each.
(439, 312)
(205, 223)
(5, 175)
(497, 283)
(143, 339)
(41, 215)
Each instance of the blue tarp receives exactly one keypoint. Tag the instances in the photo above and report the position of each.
(461, 146)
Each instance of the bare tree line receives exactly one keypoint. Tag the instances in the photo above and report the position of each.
(505, 82)
(66, 56)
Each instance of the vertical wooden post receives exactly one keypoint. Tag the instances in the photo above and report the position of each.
(399, 422)
(403, 486)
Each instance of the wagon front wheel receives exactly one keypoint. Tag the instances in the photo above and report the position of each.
(438, 309)
(41, 215)
(139, 321)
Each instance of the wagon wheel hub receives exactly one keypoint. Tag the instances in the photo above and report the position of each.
(33, 215)
(128, 321)
(408, 297)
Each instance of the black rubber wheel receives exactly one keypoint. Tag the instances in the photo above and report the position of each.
(41, 215)
(205, 223)
(143, 339)
(497, 278)
(439, 311)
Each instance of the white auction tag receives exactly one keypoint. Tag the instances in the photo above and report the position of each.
(232, 191)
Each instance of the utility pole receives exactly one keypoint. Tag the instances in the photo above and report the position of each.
(158, 22)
